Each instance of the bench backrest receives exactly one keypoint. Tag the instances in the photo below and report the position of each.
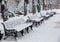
(43, 12)
(33, 17)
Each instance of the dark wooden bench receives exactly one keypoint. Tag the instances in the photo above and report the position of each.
(36, 20)
(13, 26)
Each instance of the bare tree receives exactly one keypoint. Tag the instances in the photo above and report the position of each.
(3, 9)
(25, 7)
(33, 7)
(38, 5)
(43, 4)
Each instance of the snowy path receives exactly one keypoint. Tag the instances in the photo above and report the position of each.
(49, 31)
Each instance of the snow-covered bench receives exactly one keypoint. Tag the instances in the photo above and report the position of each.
(13, 26)
(51, 12)
(44, 14)
(35, 19)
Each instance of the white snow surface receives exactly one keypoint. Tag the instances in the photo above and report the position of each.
(49, 31)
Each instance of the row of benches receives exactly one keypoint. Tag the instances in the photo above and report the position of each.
(18, 24)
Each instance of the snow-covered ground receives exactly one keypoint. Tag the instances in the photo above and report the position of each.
(49, 31)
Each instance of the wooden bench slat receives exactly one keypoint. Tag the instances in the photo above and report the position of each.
(20, 27)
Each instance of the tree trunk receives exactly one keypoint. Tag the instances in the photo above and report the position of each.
(33, 7)
(2, 11)
(25, 7)
(38, 6)
(43, 5)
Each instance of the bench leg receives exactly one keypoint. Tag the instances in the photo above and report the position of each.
(15, 35)
(27, 29)
(42, 21)
(22, 32)
(36, 24)
(1, 36)
(39, 22)
(47, 17)
(31, 27)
